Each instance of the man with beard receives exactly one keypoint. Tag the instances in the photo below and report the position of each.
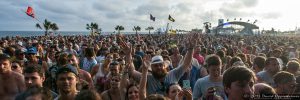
(66, 81)
(32, 57)
(239, 83)
(160, 77)
(272, 66)
(11, 83)
(34, 60)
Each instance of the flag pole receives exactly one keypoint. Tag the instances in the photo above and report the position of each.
(39, 22)
(167, 29)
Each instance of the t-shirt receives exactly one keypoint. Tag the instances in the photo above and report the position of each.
(203, 84)
(88, 64)
(155, 86)
(267, 78)
(199, 58)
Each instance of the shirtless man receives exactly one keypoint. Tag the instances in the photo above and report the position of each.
(11, 83)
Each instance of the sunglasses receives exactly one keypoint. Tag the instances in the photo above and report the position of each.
(114, 63)
(14, 66)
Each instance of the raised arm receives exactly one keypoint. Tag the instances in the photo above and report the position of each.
(128, 50)
(124, 83)
(143, 82)
(191, 43)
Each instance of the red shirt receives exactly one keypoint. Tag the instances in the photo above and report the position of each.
(199, 58)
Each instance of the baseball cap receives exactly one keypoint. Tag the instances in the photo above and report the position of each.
(139, 53)
(68, 68)
(31, 50)
(157, 59)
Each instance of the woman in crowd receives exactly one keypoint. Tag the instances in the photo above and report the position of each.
(89, 60)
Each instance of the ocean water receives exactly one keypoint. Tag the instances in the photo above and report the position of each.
(63, 33)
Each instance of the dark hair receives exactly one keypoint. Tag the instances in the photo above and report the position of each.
(277, 51)
(166, 57)
(88, 95)
(169, 86)
(265, 90)
(243, 57)
(4, 57)
(63, 59)
(101, 51)
(32, 69)
(128, 87)
(220, 53)
(239, 73)
(71, 55)
(268, 61)
(89, 52)
(10, 51)
(46, 94)
(233, 60)
(283, 77)
(259, 61)
(213, 60)
(294, 65)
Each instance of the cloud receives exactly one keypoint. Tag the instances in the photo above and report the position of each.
(271, 15)
(75, 14)
(238, 8)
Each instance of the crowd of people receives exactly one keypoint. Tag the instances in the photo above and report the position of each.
(189, 66)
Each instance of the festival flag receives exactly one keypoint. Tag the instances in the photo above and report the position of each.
(171, 19)
(152, 18)
(30, 12)
(172, 32)
(255, 21)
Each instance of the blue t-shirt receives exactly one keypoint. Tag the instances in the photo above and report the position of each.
(155, 86)
(203, 84)
(87, 65)
(267, 78)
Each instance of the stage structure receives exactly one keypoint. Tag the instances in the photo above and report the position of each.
(236, 27)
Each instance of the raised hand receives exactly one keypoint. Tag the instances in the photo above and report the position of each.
(187, 93)
(126, 48)
(192, 40)
(146, 62)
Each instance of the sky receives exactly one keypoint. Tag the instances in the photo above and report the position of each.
(73, 15)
